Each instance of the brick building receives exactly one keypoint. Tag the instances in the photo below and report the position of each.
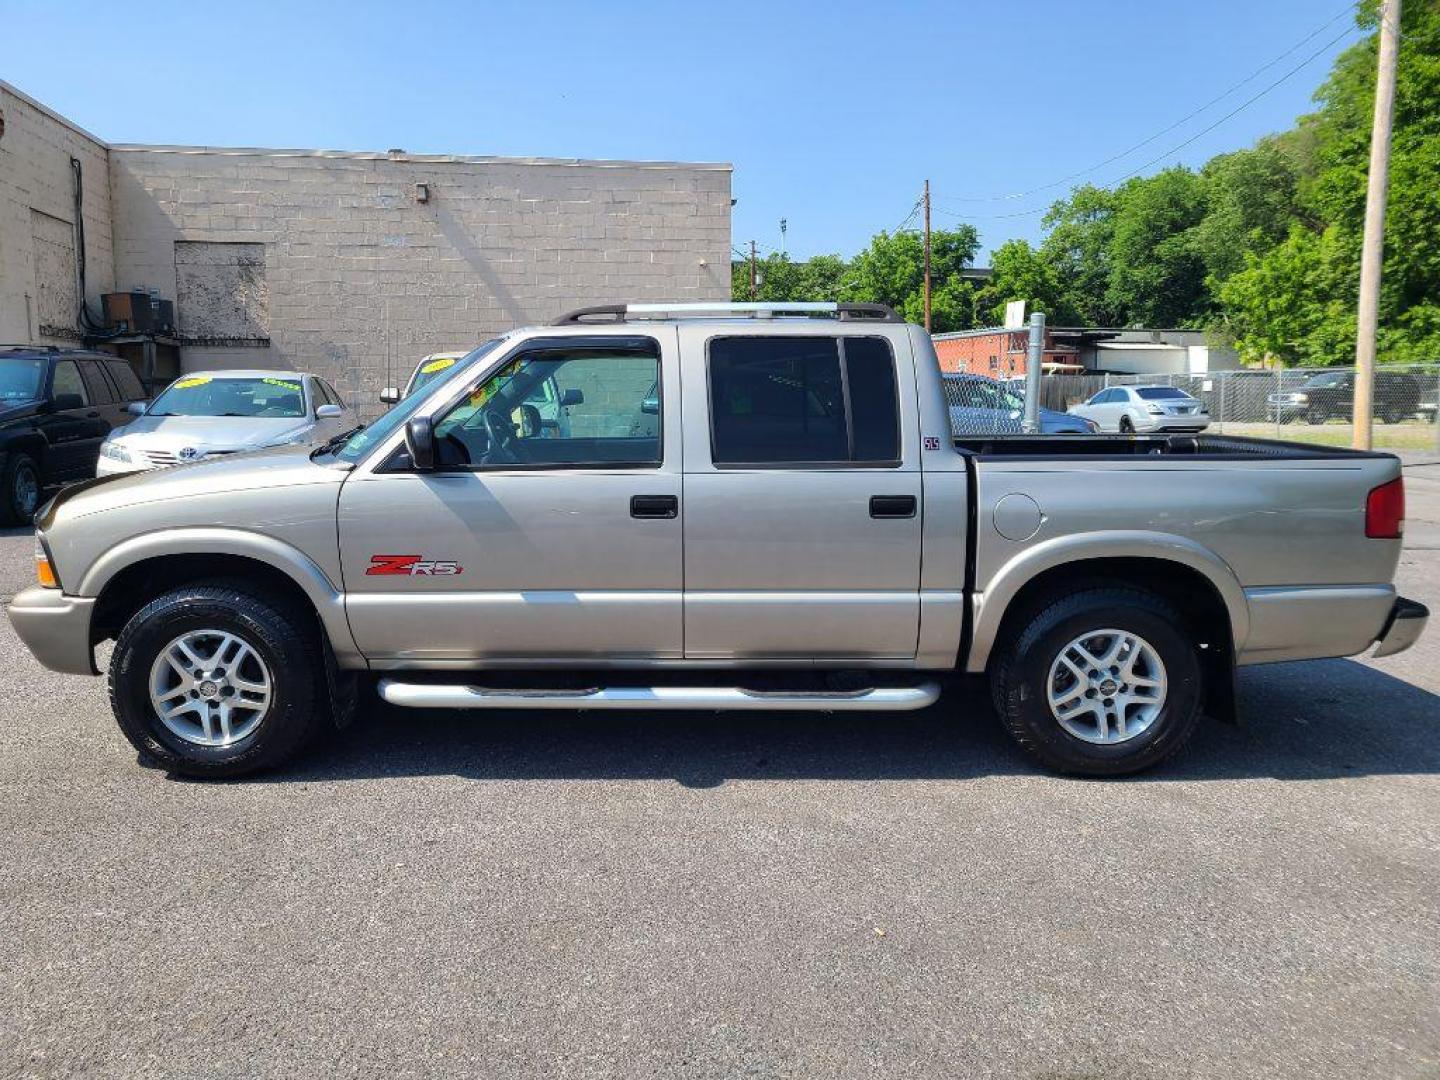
(1000, 353)
(352, 265)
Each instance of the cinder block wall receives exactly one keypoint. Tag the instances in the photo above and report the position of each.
(329, 262)
(38, 297)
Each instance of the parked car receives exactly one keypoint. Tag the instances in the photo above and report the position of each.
(214, 413)
(1128, 409)
(799, 506)
(56, 407)
(1331, 395)
(550, 415)
(427, 370)
(983, 406)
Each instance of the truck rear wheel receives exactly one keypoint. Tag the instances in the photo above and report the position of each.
(212, 681)
(1100, 682)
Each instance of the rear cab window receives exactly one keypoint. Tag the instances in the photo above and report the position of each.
(803, 400)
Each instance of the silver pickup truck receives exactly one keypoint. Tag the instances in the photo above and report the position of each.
(748, 507)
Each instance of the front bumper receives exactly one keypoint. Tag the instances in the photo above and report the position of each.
(56, 629)
(1403, 628)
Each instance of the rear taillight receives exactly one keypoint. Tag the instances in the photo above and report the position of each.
(1385, 511)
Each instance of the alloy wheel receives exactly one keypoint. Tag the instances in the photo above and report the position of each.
(1106, 686)
(210, 687)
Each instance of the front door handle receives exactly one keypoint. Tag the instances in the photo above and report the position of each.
(654, 506)
(892, 506)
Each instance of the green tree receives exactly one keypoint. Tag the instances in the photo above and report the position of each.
(815, 279)
(1077, 247)
(1019, 272)
(892, 271)
(1157, 277)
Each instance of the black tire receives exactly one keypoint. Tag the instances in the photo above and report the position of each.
(286, 640)
(1126, 427)
(1391, 416)
(1316, 416)
(19, 489)
(1021, 670)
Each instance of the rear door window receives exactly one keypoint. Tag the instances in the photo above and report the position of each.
(125, 378)
(96, 384)
(803, 400)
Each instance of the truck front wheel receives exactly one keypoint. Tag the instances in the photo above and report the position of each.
(212, 681)
(1101, 681)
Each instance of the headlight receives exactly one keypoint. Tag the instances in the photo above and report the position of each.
(1300, 398)
(1091, 426)
(115, 452)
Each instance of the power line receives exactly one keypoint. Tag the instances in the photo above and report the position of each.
(1349, 9)
(1179, 146)
(1235, 111)
(909, 217)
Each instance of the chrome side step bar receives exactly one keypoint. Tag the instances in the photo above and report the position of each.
(725, 698)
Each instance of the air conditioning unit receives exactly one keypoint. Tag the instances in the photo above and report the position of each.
(137, 313)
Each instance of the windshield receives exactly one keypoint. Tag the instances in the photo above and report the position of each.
(353, 448)
(1161, 393)
(20, 379)
(983, 394)
(431, 370)
(217, 395)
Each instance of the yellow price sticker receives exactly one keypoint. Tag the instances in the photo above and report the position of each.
(282, 384)
(186, 384)
(438, 365)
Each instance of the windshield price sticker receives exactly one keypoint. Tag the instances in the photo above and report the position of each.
(281, 383)
(438, 365)
(186, 384)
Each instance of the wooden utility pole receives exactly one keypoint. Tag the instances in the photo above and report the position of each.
(927, 254)
(753, 278)
(1372, 251)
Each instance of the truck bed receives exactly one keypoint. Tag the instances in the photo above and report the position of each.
(1102, 447)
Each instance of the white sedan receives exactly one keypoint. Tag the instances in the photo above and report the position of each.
(1129, 409)
(208, 413)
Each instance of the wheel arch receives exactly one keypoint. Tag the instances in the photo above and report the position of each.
(1170, 565)
(131, 573)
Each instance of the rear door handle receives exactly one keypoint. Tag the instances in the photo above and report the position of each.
(892, 506)
(654, 506)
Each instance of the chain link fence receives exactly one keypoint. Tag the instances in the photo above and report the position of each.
(1298, 404)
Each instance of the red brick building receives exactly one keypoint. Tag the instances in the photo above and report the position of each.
(1000, 353)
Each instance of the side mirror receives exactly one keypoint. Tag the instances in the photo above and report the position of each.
(420, 442)
(573, 396)
(136, 408)
(328, 412)
(650, 406)
(390, 395)
(65, 402)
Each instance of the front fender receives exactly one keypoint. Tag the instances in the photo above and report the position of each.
(328, 601)
(991, 604)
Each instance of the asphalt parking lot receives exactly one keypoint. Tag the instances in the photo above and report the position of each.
(720, 896)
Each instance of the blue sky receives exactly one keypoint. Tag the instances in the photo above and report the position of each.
(832, 113)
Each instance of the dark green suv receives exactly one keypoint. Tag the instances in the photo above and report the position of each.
(56, 408)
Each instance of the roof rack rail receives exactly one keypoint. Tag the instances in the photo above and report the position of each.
(754, 310)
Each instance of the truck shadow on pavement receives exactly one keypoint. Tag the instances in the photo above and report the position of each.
(1302, 721)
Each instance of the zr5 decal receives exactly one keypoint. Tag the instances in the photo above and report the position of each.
(412, 566)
